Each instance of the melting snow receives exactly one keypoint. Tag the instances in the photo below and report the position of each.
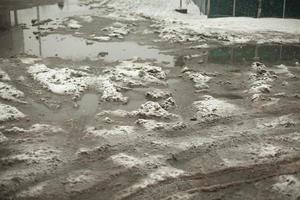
(9, 113)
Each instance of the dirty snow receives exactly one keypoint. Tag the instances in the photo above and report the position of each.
(232, 29)
(3, 138)
(153, 109)
(289, 186)
(153, 178)
(129, 161)
(200, 80)
(261, 79)
(10, 93)
(210, 108)
(282, 121)
(81, 180)
(34, 191)
(33, 156)
(59, 81)
(4, 76)
(158, 94)
(8, 113)
(117, 131)
(153, 125)
(73, 24)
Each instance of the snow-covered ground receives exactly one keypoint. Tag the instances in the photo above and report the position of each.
(231, 29)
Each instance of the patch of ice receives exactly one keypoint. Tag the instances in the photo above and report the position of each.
(8, 92)
(8, 113)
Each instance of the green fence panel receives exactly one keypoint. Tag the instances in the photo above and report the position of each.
(292, 9)
(221, 8)
(246, 8)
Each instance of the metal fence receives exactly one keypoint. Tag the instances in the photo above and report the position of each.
(250, 8)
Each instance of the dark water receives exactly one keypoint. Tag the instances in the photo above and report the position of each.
(249, 53)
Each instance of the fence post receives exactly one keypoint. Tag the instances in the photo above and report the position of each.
(208, 8)
(259, 7)
(284, 7)
(234, 6)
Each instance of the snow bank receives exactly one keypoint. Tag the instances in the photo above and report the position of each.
(9, 113)
(232, 29)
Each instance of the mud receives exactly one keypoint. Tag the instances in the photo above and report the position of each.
(94, 106)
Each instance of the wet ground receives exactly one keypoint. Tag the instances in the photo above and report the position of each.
(107, 109)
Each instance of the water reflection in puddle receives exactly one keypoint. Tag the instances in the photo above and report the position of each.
(74, 48)
(23, 12)
(247, 53)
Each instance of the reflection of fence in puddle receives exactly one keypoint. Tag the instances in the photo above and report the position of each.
(249, 53)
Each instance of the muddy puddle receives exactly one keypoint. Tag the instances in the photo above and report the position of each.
(123, 119)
